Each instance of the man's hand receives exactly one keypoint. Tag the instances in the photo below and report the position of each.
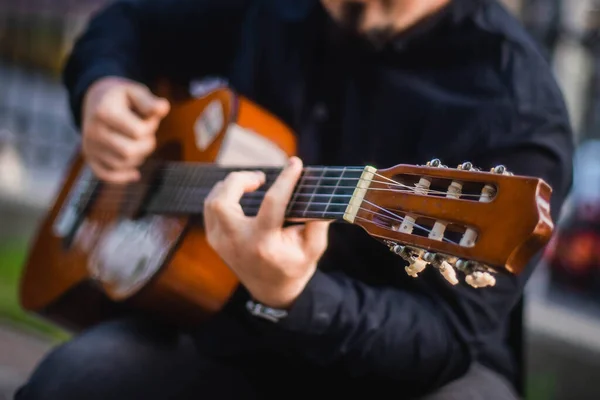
(272, 262)
(119, 122)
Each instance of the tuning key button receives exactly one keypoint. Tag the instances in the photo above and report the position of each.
(416, 267)
(434, 163)
(501, 170)
(448, 272)
(479, 279)
(466, 166)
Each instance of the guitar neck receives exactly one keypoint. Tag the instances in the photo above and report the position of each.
(321, 192)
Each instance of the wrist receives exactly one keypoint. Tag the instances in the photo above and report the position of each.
(281, 296)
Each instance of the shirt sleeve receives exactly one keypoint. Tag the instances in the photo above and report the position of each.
(405, 335)
(143, 40)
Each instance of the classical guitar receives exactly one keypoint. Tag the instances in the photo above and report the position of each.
(107, 249)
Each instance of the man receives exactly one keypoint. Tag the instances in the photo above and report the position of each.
(361, 82)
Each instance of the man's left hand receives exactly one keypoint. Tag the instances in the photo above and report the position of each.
(273, 263)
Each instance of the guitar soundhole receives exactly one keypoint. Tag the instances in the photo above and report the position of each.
(130, 252)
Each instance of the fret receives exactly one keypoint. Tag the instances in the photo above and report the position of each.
(329, 199)
(296, 193)
(316, 188)
(303, 189)
(337, 184)
(321, 193)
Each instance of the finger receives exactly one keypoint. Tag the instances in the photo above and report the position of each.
(124, 150)
(236, 184)
(129, 124)
(272, 211)
(208, 216)
(316, 238)
(223, 202)
(146, 104)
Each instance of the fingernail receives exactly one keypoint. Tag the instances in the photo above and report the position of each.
(293, 161)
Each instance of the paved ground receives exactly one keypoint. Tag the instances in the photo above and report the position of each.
(19, 353)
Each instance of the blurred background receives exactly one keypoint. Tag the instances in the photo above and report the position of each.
(562, 313)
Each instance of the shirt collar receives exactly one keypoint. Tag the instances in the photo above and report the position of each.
(453, 13)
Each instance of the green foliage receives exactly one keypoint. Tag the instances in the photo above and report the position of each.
(541, 386)
(12, 256)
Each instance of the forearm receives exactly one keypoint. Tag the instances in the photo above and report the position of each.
(372, 333)
(400, 333)
(145, 40)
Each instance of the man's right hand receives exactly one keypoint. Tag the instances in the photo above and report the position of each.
(119, 122)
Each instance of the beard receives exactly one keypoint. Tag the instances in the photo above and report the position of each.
(350, 20)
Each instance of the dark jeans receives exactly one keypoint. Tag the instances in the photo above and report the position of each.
(139, 359)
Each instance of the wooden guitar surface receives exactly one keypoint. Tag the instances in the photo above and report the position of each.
(104, 250)
(192, 281)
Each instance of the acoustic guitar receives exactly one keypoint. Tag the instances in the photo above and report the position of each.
(106, 249)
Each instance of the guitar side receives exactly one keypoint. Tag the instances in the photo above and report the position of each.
(181, 277)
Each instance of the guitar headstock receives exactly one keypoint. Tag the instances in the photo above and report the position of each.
(477, 222)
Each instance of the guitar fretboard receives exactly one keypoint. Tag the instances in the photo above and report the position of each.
(321, 192)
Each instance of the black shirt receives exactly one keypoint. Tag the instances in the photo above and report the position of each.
(467, 85)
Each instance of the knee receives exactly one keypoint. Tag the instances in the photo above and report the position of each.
(89, 366)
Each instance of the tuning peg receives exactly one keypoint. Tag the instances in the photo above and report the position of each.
(448, 272)
(415, 267)
(442, 266)
(500, 170)
(480, 279)
(434, 163)
(466, 166)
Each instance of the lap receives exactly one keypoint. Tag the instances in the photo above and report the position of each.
(478, 383)
(136, 358)
(132, 358)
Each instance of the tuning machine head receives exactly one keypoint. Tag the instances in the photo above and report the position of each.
(435, 163)
(477, 276)
(501, 170)
(468, 166)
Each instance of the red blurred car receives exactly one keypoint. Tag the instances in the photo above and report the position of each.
(573, 255)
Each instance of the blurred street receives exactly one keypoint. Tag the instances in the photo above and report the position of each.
(19, 353)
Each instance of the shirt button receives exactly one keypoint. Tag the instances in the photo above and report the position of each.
(320, 112)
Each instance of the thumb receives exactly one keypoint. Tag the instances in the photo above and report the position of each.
(316, 237)
(145, 103)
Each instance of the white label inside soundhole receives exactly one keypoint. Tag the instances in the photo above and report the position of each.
(247, 148)
(128, 254)
(209, 124)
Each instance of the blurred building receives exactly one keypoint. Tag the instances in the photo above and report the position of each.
(36, 134)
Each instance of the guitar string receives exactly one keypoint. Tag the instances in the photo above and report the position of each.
(337, 179)
(251, 199)
(393, 218)
(115, 188)
(213, 170)
(198, 195)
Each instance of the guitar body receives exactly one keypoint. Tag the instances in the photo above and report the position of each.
(105, 250)
(84, 268)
